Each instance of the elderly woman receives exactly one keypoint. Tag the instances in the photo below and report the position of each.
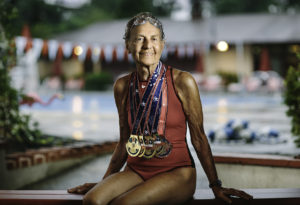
(154, 103)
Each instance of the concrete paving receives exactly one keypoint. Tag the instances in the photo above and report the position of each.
(96, 119)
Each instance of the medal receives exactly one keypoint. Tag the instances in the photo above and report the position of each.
(166, 149)
(158, 144)
(149, 147)
(148, 116)
(133, 146)
(149, 153)
(142, 152)
(143, 149)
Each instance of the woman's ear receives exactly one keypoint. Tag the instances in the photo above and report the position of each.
(127, 46)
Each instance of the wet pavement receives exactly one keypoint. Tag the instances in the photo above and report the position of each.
(93, 116)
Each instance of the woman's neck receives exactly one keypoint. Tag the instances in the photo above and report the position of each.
(144, 72)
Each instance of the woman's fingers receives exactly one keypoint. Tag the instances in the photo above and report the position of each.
(81, 189)
(72, 190)
(238, 193)
(244, 195)
(225, 194)
(77, 190)
(225, 198)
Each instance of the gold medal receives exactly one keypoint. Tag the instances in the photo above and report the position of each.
(143, 149)
(142, 152)
(149, 147)
(158, 144)
(166, 149)
(133, 146)
(149, 153)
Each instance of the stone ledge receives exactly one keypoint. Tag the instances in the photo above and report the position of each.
(201, 196)
(44, 155)
(37, 197)
(256, 159)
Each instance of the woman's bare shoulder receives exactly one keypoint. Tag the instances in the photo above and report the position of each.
(183, 79)
(121, 84)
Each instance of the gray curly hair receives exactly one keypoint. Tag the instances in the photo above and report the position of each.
(140, 19)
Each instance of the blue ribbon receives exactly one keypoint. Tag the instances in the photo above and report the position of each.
(139, 109)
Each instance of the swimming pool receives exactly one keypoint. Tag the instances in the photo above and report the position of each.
(103, 102)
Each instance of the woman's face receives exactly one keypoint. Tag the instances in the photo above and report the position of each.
(145, 44)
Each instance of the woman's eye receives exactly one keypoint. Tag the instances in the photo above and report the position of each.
(139, 39)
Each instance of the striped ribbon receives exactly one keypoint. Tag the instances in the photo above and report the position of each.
(148, 114)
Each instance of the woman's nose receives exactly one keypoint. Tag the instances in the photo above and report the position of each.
(146, 44)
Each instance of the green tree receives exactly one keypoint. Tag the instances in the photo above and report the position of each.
(15, 128)
(237, 6)
(128, 8)
(47, 20)
(253, 6)
(33, 12)
(292, 99)
(98, 81)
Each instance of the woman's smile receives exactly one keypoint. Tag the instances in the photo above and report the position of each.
(146, 54)
(145, 45)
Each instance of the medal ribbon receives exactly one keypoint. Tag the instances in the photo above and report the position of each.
(148, 115)
(137, 109)
(160, 120)
(152, 112)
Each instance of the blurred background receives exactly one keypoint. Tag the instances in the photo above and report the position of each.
(230, 45)
(61, 57)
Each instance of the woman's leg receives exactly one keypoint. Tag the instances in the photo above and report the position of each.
(112, 187)
(173, 187)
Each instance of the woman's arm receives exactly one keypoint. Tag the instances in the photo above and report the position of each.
(119, 156)
(188, 93)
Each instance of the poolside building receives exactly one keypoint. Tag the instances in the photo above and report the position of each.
(231, 44)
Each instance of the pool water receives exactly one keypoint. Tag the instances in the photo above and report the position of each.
(103, 102)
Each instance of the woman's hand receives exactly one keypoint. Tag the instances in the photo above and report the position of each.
(82, 189)
(225, 194)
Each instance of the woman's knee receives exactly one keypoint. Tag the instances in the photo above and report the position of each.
(92, 199)
(122, 201)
